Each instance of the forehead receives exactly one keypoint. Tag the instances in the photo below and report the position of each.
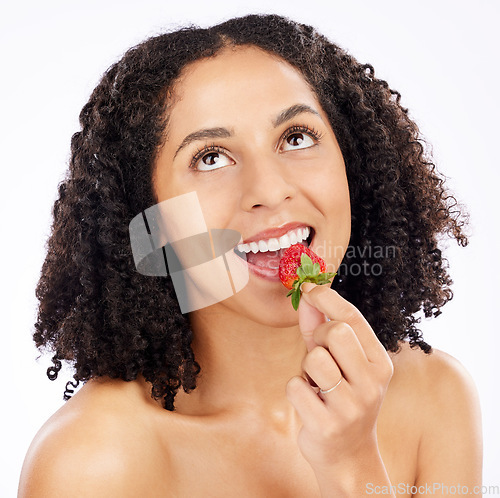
(240, 84)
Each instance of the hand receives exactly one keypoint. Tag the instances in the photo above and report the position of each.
(339, 427)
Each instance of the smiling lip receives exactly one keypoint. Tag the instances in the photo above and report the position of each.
(268, 265)
(274, 233)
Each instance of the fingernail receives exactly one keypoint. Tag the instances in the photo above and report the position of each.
(307, 287)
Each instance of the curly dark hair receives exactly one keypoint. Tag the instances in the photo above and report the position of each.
(106, 319)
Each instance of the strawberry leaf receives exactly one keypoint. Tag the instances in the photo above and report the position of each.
(324, 278)
(306, 264)
(296, 298)
(305, 259)
(307, 271)
(296, 293)
(316, 269)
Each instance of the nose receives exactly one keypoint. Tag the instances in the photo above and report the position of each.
(266, 183)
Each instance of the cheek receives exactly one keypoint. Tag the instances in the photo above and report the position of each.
(167, 183)
(339, 200)
(214, 197)
(218, 206)
(335, 234)
(327, 187)
(339, 209)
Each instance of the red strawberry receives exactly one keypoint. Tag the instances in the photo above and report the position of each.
(290, 261)
(299, 264)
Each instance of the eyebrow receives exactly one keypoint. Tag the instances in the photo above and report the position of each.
(291, 112)
(208, 133)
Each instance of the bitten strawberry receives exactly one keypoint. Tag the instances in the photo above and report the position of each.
(299, 264)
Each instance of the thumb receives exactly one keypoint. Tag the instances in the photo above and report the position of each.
(309, 319)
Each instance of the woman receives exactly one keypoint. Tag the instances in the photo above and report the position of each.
(276, 130)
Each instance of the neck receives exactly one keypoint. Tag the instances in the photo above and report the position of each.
(245, 366)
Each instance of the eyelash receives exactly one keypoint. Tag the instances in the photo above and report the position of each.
(205, 150)
(290, 131)
(304, 129)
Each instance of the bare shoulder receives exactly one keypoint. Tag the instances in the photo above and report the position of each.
(100, 443)
(443, 406)
(431, 384)
(438, 373)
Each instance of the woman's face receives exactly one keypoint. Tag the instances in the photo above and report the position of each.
(248, 135)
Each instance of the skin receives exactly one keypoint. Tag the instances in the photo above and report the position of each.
(255, 426)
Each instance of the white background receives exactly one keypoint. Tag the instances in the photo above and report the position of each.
(443, 58)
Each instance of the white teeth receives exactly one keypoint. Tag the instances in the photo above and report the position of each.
(273, 245)
(263, 246)
(285, 241)
(243, 248)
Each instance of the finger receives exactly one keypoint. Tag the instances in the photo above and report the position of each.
(334, 306)
(311, 409)
(322, 369)
(309, 319)
(344, 346)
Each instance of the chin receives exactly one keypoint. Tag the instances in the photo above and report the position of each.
(265, 309)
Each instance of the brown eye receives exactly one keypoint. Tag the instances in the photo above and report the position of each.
(297, 140)
(211, 158)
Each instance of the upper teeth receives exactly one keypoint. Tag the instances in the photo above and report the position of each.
(290, 238)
